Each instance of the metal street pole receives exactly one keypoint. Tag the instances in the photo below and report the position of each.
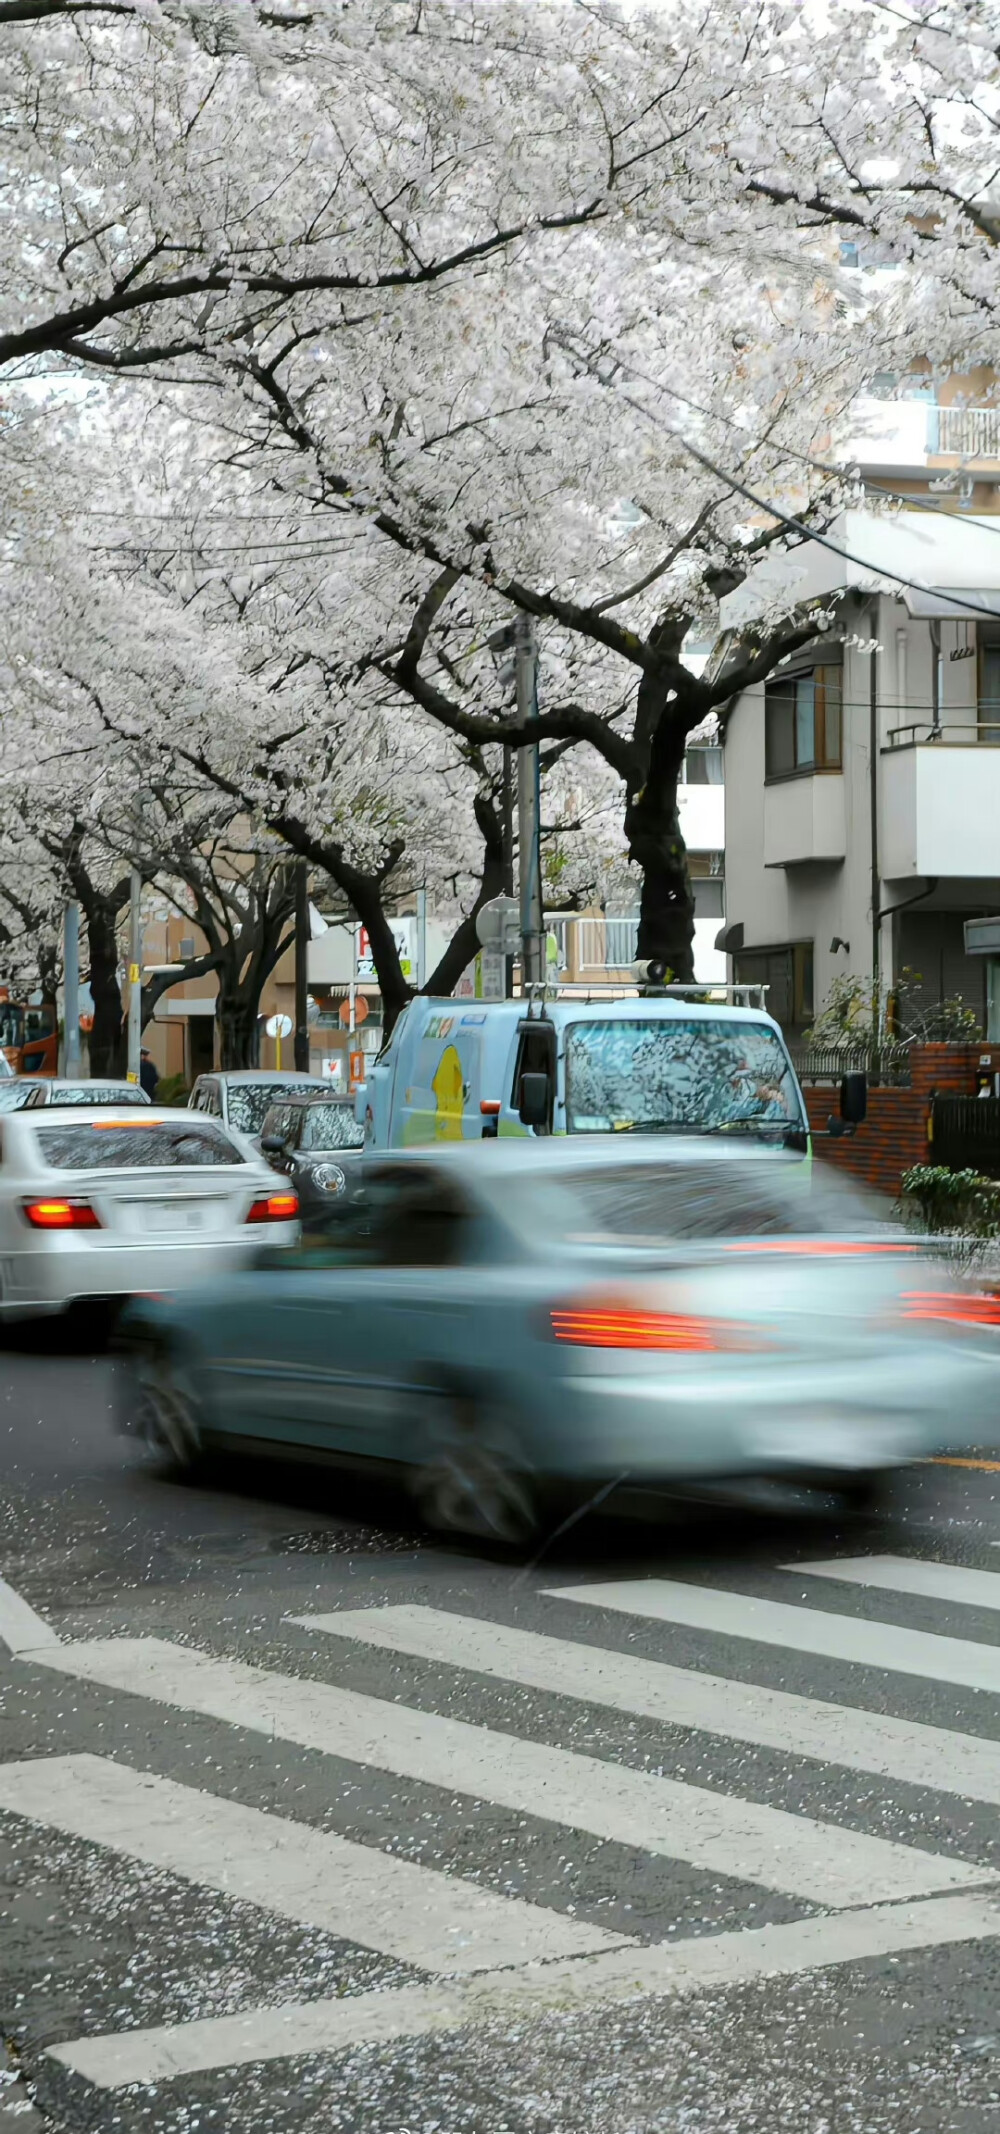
(528, 824)
(134, 975)
(71, 992)
(421, 939)
(301, 967)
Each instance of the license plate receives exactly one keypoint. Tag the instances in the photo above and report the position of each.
(168, 1216)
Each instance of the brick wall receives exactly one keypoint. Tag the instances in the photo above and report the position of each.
(894, 1135)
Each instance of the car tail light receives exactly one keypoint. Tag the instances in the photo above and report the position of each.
(61, 1215)
(274, 1208)
(619, 1323)
(950, 1305)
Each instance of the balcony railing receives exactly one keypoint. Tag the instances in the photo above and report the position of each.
(606, 944)
(973, 433)
(923, 732)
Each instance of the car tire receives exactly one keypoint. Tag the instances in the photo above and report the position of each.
(165, 1408)
(473, 1478)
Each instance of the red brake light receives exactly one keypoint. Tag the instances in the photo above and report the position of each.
(61, 1215)
(619, 1324)
(953, 1305)
(274, 1208)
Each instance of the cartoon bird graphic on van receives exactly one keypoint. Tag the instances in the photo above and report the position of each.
(449, 1090)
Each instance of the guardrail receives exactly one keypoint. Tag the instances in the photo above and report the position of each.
(888, 1066)
(923, 733)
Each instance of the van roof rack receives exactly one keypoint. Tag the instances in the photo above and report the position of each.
(739, 994)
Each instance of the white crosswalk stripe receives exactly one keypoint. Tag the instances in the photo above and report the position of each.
(958, 1661)
(938, 1757)
(910, 1575)
(794, 1854)
(485, 1956)
(667, 1970)
(436, 1921)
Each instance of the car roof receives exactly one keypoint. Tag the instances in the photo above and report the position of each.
(261, 1074)
(152, 1114)
(93, 1081)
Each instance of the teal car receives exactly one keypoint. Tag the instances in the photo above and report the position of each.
(513, 1328)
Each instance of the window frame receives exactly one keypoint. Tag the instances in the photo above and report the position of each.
(827, 712)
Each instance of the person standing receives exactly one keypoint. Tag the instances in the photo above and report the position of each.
(149, 1076)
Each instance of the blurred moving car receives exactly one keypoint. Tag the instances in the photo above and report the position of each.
(316, 1142)
(242, 1098)
(512, 1327)
(100, 1204)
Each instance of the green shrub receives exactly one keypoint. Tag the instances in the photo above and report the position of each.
(172, 1089)
(938, 1200)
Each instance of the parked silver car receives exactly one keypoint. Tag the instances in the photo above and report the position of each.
(242, 1097)
(103, 1203)
(28, 1092)
(510, 1324)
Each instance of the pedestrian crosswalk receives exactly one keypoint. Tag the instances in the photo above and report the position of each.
(478, 1953)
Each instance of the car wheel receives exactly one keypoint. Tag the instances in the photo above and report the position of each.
(473, 1477)
(166, 1409)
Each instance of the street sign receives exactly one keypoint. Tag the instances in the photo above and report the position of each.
(278, 1026)
(498, 926)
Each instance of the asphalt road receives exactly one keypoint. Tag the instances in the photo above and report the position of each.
(306, 1823)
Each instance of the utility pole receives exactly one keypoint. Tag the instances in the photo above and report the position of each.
(134, 975)
(507, 835)
(421, 957)
(71, 992)
(528, 808)
(301, 967)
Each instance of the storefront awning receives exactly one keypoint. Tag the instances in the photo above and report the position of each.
(964, 602)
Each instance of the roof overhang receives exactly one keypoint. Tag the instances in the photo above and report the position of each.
(964, 602)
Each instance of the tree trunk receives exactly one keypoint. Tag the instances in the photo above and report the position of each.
(107, 1039)
(239, 1035)
(666, 907)
(653, 830)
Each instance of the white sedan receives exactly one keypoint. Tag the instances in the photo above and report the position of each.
(107, 1205)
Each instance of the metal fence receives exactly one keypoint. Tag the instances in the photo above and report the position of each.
(965, 1134)
(974, 432)
(606, 944)
(887, 1066)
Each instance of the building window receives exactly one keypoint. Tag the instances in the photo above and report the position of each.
(989, 680)
(709, 891)
(802, 723)
(703, 766)
(787, 973)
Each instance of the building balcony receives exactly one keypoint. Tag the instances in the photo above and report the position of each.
(804, 820)
(913, 435)
(940, 802)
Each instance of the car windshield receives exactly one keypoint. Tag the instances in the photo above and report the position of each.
(649, 1206)
(651, 1077)
(249, 1102)
(88, 1093)
(158, 1144)
(331, 1126)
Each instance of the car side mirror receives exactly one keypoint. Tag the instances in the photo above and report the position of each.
(533, 1100)
(854, 1099)
(273, 1144)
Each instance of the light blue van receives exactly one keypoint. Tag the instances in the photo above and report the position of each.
(464, 1071)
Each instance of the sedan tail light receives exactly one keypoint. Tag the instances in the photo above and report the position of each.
(274, 1208)
(61, 1215)
(952, 1306)
(619, 1323)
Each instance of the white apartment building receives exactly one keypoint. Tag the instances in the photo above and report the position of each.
(863, 786)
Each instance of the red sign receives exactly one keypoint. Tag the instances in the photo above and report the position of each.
(357, 1067)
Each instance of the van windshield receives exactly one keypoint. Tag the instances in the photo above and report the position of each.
(675, 1076)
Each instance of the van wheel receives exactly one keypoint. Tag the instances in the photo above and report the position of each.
(166, 1412)
(473, 1477)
